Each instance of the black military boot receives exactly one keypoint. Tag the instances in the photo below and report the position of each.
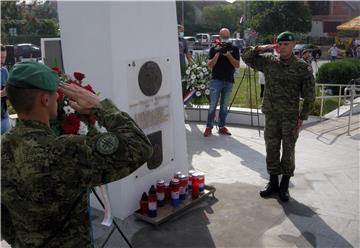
(284, 188)
(272, 187)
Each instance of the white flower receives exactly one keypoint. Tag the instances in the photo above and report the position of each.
(201, 74)
(193, 77)
(204, 70)
(203, 63)
(198, 93)
(68, 110)
(83, 129)
(187, 72)
(207, 92)
(99, 129)
(202, 86)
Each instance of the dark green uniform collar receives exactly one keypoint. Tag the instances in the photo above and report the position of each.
(34, 124)
(289, 60)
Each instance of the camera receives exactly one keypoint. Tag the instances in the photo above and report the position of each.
(223, 47)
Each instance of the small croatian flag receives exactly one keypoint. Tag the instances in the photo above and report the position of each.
(188, 96)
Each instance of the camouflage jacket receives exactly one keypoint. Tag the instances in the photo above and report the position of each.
(45, 178)
(286, 81)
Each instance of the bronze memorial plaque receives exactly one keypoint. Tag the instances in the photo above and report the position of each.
(150, 78)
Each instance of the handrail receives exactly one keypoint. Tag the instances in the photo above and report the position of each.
(352, 88)
(339, 96)
(335, 85)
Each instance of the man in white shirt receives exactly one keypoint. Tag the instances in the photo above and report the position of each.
(333, 52)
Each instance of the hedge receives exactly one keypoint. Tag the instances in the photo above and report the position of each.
(338, 72)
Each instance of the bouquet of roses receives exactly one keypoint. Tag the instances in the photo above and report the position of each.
(68, 121)
(198, 76)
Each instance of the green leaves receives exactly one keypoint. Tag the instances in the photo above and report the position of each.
(338, 72)
(269, 17)
(223, 15)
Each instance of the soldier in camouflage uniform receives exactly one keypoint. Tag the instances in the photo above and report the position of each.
(45, 179)
(287, 79)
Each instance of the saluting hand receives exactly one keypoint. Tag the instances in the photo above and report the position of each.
(264, 48)
(81, 99)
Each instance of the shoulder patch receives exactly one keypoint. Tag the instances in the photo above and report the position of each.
(107, 144)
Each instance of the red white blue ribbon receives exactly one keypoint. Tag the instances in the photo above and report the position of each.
(188, 96)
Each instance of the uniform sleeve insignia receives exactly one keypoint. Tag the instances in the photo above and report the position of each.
(107, 144)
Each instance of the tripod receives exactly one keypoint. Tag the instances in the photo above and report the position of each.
(115, 224)
(247, 72)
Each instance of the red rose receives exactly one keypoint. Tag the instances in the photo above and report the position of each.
(89, 88)
(79, 76)
(58, 71)
(92, 119)
(70, 81)
(71, 125)
(60, 96)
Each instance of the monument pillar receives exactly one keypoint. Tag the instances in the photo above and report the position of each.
(129, 53)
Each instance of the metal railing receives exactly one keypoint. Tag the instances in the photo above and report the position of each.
(350, 91)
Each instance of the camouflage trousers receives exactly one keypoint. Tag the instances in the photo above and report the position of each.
(280, 129)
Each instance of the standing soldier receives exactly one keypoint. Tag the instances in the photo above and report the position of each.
(287, 79)
(45, 179)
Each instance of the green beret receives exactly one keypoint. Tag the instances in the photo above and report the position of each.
(33, 75)
(286, 36)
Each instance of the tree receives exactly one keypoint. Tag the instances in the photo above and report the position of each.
(209, 16)
(189, 17)
(223, 15)
(269, 17)
(10, 16)
(35, 18)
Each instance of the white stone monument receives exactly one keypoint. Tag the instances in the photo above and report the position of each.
(129, 53)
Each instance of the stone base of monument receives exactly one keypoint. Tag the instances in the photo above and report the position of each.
(168, 212)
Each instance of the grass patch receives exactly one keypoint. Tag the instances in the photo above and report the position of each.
(249, 94)
(329, 105)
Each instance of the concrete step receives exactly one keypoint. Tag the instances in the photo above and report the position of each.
(344, 110)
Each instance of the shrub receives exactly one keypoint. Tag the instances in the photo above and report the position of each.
(338, 72)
